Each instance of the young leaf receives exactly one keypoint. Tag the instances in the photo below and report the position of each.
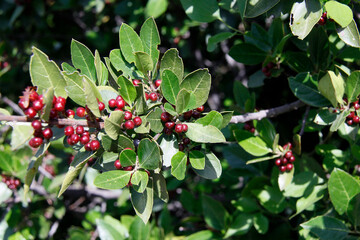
(46, 74)
(213, 118)
(127, 90)
(92, 96)
(155, 121)
(143, 62)
(331, 86)
(169, 147)
(178, 165)
(172, 62)
(183, 101)
(130, 42)
(197, 159)
(352, 87)
(204, 134)
(342, 188)
(250, 143)
(143, 202)
(212, 168)
(304, 15)
(113, 179)
(350, 34)
(150, 38)
(170, 86)
(340, 13)
(214, 213)
(326, 227)
(201, 10)
(127, 158)
(83, 59)
(149, 154)
(112, 124)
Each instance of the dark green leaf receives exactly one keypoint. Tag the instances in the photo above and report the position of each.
(160, 187)
(149, 154)
(266, 131)
(113, 179)
(319, 48)
(241, 94)
(258, 37)
(201, 10)
(214, 213)
(201, 235)
(326, 228)
(261, 223)
(130, 42)
(83, 59)
(325, 117)
(298, 61)
(214, 40)
(204, 134)
(143, 202)
(212, 168)
(246, 204)
(353, 210)
(352, 87)
(178, 165)
(251, 9)
(271, 199)
(302, 184)
(140, 180)
(241, 225)
(247, 54)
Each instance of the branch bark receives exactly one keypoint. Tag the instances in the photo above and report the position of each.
(268, 113)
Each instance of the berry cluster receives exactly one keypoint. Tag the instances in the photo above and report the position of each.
(267, 69)
(285, 163)
(80, 135)
(248, 126)
(11, 182)
(353, 118)
(153, 96)
(323, 19)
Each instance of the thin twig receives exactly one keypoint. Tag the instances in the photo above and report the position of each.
(13, 105)
(304, 121)
(268, 113)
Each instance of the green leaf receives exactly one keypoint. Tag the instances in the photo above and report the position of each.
(143, 62)
(325, 117)
(204, 134)
(173, 62)
(155, 121)
(353, 210)
(118, 145)
(217, 38)
(107, 231)
(67, 68)
(46, 74)
(127, 158)
(6, 193)
(342, 188)
(259, 37)
(304, 87)
(340, 13)
(92, 96)
(227, 115)
(214, 213)
(101, 71)
(74, 87)
(178, 165)
(149, 35)
(285, 179)
(107, 93)
(352, 87)
(201, 10)
(212, 168)
(247, 53)
(81, 158)
(332, 86)
(350, 34)
(261, 223)
(246, 204)
(304, 15)
(201, 235)
(213, 118)
(20, 135)
(155, 8)
(120, 64)
(130, 42)
(266, 131)
(251, 9)
(112, 124)
(127, 90)
(261, 159)
(271, 199)
(340, 119)
(169, 147)
(241, 94)
(47, 101)
(140, 101)
(149, 154)
(140, 180)
(197, 159)
(113, 179)
(170, 86)
(241, 225)
(250, 143)
(319, 48)
(298, 61)
(183, 101)
(160, 188)
(302, 184)
(326, 228)
(143, 202)
(83, 59)
(139, 230)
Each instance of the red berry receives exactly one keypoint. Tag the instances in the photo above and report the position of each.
(282, 168)
(61, 100)
(53, 113)
(127, 115)
(292, 159)
(112, 103)
(120, 103)
(79, 130)
(117, 164)
(30, 112)
(187, 115)
(54, 100)
(157, 83)
(129, 124)
(185, 128)
(47, 133)
(86, 133)
(147, 96)
(186, 141)
(137, 121)
(68, 140)
(165, 116)
(59, 106)
(36, 124)
(322, 21)
(70, 113)
(289, 166)
(35, 142)
(356, 105)
(136, 82)
(200, 109)
(38, 133)
(37, 105)
(351, 115)
(22, 104)
(33, 96)
(74, 138)
(68, 131)
(80, 111)
(16, 182)
(288, 154)
(119, 98)
(170, 125)
(153, 96)
(84, 139)
(356, 119)
(288, 145)
(101, 106)
(167, 131)
(284, 161)
(178, 128)
(94, 145)
(195, 114)
(129, 168)
(88, 147)
(181, 147)
(349, 122)
(278, 162)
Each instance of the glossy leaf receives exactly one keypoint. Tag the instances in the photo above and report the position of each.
(340, 13)
(213, 118)
(251, 9)
(214, 213)
(83, 59)
(350, 34)
(115, 179)
(271, 199)
(149, 154)
(332, 86)
(241, 225)
(170, 86)
(112, 124)
(45, 73)
(247, 53)
(127, 158)
(127, 90)
(302, 184)
(266, 131)
(143, 62)
(178, 165)
(201, 10)
(197, 159)
(352, 87)
(325, 117)
(326, 228)
(212, 168)
(261, 223)
(130, 42)
(250, 143)
(143, 202)
(173, 62)
(149, 33)
(342, 188)
(204, 134)
(217, 38)
(285, 179)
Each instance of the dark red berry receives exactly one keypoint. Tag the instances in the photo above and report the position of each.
(127, 115)
(356, 119)
(129, 168)
(17, 182)
(157, 83)
(356, 105)
(84, 139)
(86, 133)
(181, 147)
(200, 109)
(68, 140)
(153, 96)
(351, 115)
(79, 130)
(53, 113)
(61, 100)
(170, 125)
(288, 154)
(282, 168)
(165, 116)
(59, 106)
(178, 128)
(117, 164)
(94, 145)
(112, 103)
(70, 113)
(37, 105)
(322, 21)
(278, 162)
(137, 121)
(68, 131)
(288, 145)
(74, 138)
(22, 104)
(196, 114)
(87, 147)
(289, 166)
(186, 141)
(47, 133)
(129, 124)
(35, 142)
(101, 106)
(80, 112)
(120, 103)
(292, 159)
(185, 128)
(33, 96)
(147, 96)
(38, 133)
(167, 131)
(30, 112)
(136, 82)
(187, 115)
(349, 122)
(36, 124)
(284, 161)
